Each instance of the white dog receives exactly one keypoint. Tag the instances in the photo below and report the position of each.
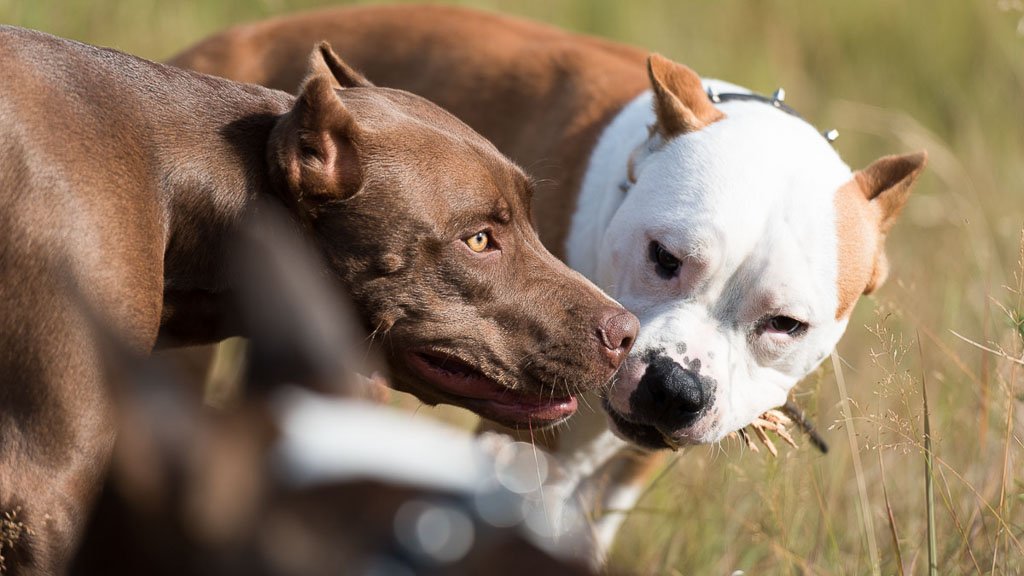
(743, 279)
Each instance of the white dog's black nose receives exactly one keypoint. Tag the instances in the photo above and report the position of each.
(670, 396)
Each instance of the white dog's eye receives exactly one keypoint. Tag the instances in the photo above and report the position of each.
(785, 325)
(665, 264)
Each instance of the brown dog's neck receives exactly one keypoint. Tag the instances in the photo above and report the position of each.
(204, 208)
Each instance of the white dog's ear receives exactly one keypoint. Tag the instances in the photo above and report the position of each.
(886, 183)
(680, 102)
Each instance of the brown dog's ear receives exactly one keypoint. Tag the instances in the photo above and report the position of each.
(324, 62)
(886, 184)
(680, 102)
(314, 146)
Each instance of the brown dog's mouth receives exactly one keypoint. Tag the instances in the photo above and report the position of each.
(468, 387)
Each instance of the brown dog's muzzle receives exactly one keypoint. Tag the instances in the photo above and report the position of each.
(519, 367)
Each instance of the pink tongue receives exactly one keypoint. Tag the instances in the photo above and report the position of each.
(552, 410)
(479, 388)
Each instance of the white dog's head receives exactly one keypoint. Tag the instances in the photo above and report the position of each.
(742, 244)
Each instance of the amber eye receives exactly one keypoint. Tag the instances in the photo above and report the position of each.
(479, 242)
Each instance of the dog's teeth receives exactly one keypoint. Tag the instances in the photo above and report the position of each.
(832, 135)
(779, 95)
(713, 95)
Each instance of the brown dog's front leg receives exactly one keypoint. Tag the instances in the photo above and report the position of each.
(56, 437)
(50, 469)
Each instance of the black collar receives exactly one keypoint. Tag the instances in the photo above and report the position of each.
(751, 97)
(775, 101)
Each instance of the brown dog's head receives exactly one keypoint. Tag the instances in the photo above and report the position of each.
(428, 228)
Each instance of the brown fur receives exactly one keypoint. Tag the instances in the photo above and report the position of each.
(866, 209)
(121, 184)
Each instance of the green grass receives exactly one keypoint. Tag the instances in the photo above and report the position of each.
(891, 76)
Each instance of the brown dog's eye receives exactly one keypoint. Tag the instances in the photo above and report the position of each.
(479, 242)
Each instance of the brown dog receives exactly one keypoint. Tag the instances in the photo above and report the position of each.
(121, 181)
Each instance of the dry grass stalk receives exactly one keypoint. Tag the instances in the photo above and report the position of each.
(774, 421)
(778, 422)
(867, 525)
(891, 518)
(929, 473)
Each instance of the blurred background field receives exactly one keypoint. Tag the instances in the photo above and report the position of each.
(891, 77)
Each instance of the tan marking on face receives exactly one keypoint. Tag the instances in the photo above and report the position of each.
(859, 244)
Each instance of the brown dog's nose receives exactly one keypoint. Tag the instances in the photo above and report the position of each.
(617, 329)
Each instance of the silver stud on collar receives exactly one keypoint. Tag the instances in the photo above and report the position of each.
(713, 95)
(779, 96)
(831, 135)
